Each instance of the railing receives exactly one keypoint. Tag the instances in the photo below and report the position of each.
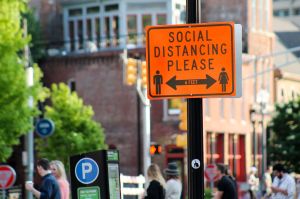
(132, 186)
(12, 193)
(78, 46)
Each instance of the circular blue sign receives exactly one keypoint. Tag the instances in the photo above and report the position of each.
(86, 170)
(44, 127)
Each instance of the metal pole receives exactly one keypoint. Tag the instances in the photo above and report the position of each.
(195, 124)
(3, 194)
(262, 148)
(213, 151)
(142, 92)
(146, 130)
(254, 144)
(29, 137)
(139, 135)
(195, 149)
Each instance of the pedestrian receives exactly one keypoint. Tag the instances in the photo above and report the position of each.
(157, 184)
(298, 186)
(58, 170)
(49, 188)
(268, 182)
(253, 181)
(231, 177)
(283, 186)
(225, 186)
(174, 185)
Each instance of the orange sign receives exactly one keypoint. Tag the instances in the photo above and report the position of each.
(191, 60)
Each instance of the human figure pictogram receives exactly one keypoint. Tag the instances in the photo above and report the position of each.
(223, 79)
(158, 80)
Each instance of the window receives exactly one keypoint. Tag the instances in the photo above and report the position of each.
(209, 148)
(147, 21)
(107, 31)
(115, 27)
(75, 12)
(281, 13)
(113, 7)
(80, 33)
(161, 19)
(132, 29)
(97, 30)
(71, 35)
(93, 10)
(297, 11)
(72, 85)
(174, 106)
(89, 29)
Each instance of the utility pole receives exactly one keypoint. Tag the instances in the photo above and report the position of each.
(29, 137)
(146, 132)
(146, 115)
(195, 124)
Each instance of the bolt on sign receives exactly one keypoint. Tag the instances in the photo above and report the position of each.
(193, 60)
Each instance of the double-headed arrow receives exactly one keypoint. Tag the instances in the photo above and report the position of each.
(173, 83)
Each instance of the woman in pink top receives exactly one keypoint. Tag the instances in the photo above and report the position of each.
(58, 170)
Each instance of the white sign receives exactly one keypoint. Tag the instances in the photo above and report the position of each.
(196, 164)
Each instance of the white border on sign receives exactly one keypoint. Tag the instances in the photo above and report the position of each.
(238, 58)
(96, 175)
(13, 173)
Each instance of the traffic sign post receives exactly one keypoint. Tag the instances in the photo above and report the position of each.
(7, 178)
(211, 174)
(194, 61)
(44, 127)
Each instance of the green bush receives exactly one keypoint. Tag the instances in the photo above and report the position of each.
(208, 194)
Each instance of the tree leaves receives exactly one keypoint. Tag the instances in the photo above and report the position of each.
(284, 141)
(75, 130)
(15, 114)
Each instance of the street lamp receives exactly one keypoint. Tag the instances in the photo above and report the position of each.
(262, 99)
(252, 119)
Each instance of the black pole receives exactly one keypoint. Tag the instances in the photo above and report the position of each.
(139, 137)
(195, 125)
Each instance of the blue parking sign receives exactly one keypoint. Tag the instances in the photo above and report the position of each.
(86, 170)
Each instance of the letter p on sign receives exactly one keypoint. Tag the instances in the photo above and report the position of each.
(86, 170)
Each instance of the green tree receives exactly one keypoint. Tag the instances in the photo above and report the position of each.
(284, 141)
(15, 114)
(37, 47)
(75, 130)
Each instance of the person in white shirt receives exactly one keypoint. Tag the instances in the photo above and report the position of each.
(268, 182)
(174, 185)
(253, 181)
(298, 186)
(284, 185)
